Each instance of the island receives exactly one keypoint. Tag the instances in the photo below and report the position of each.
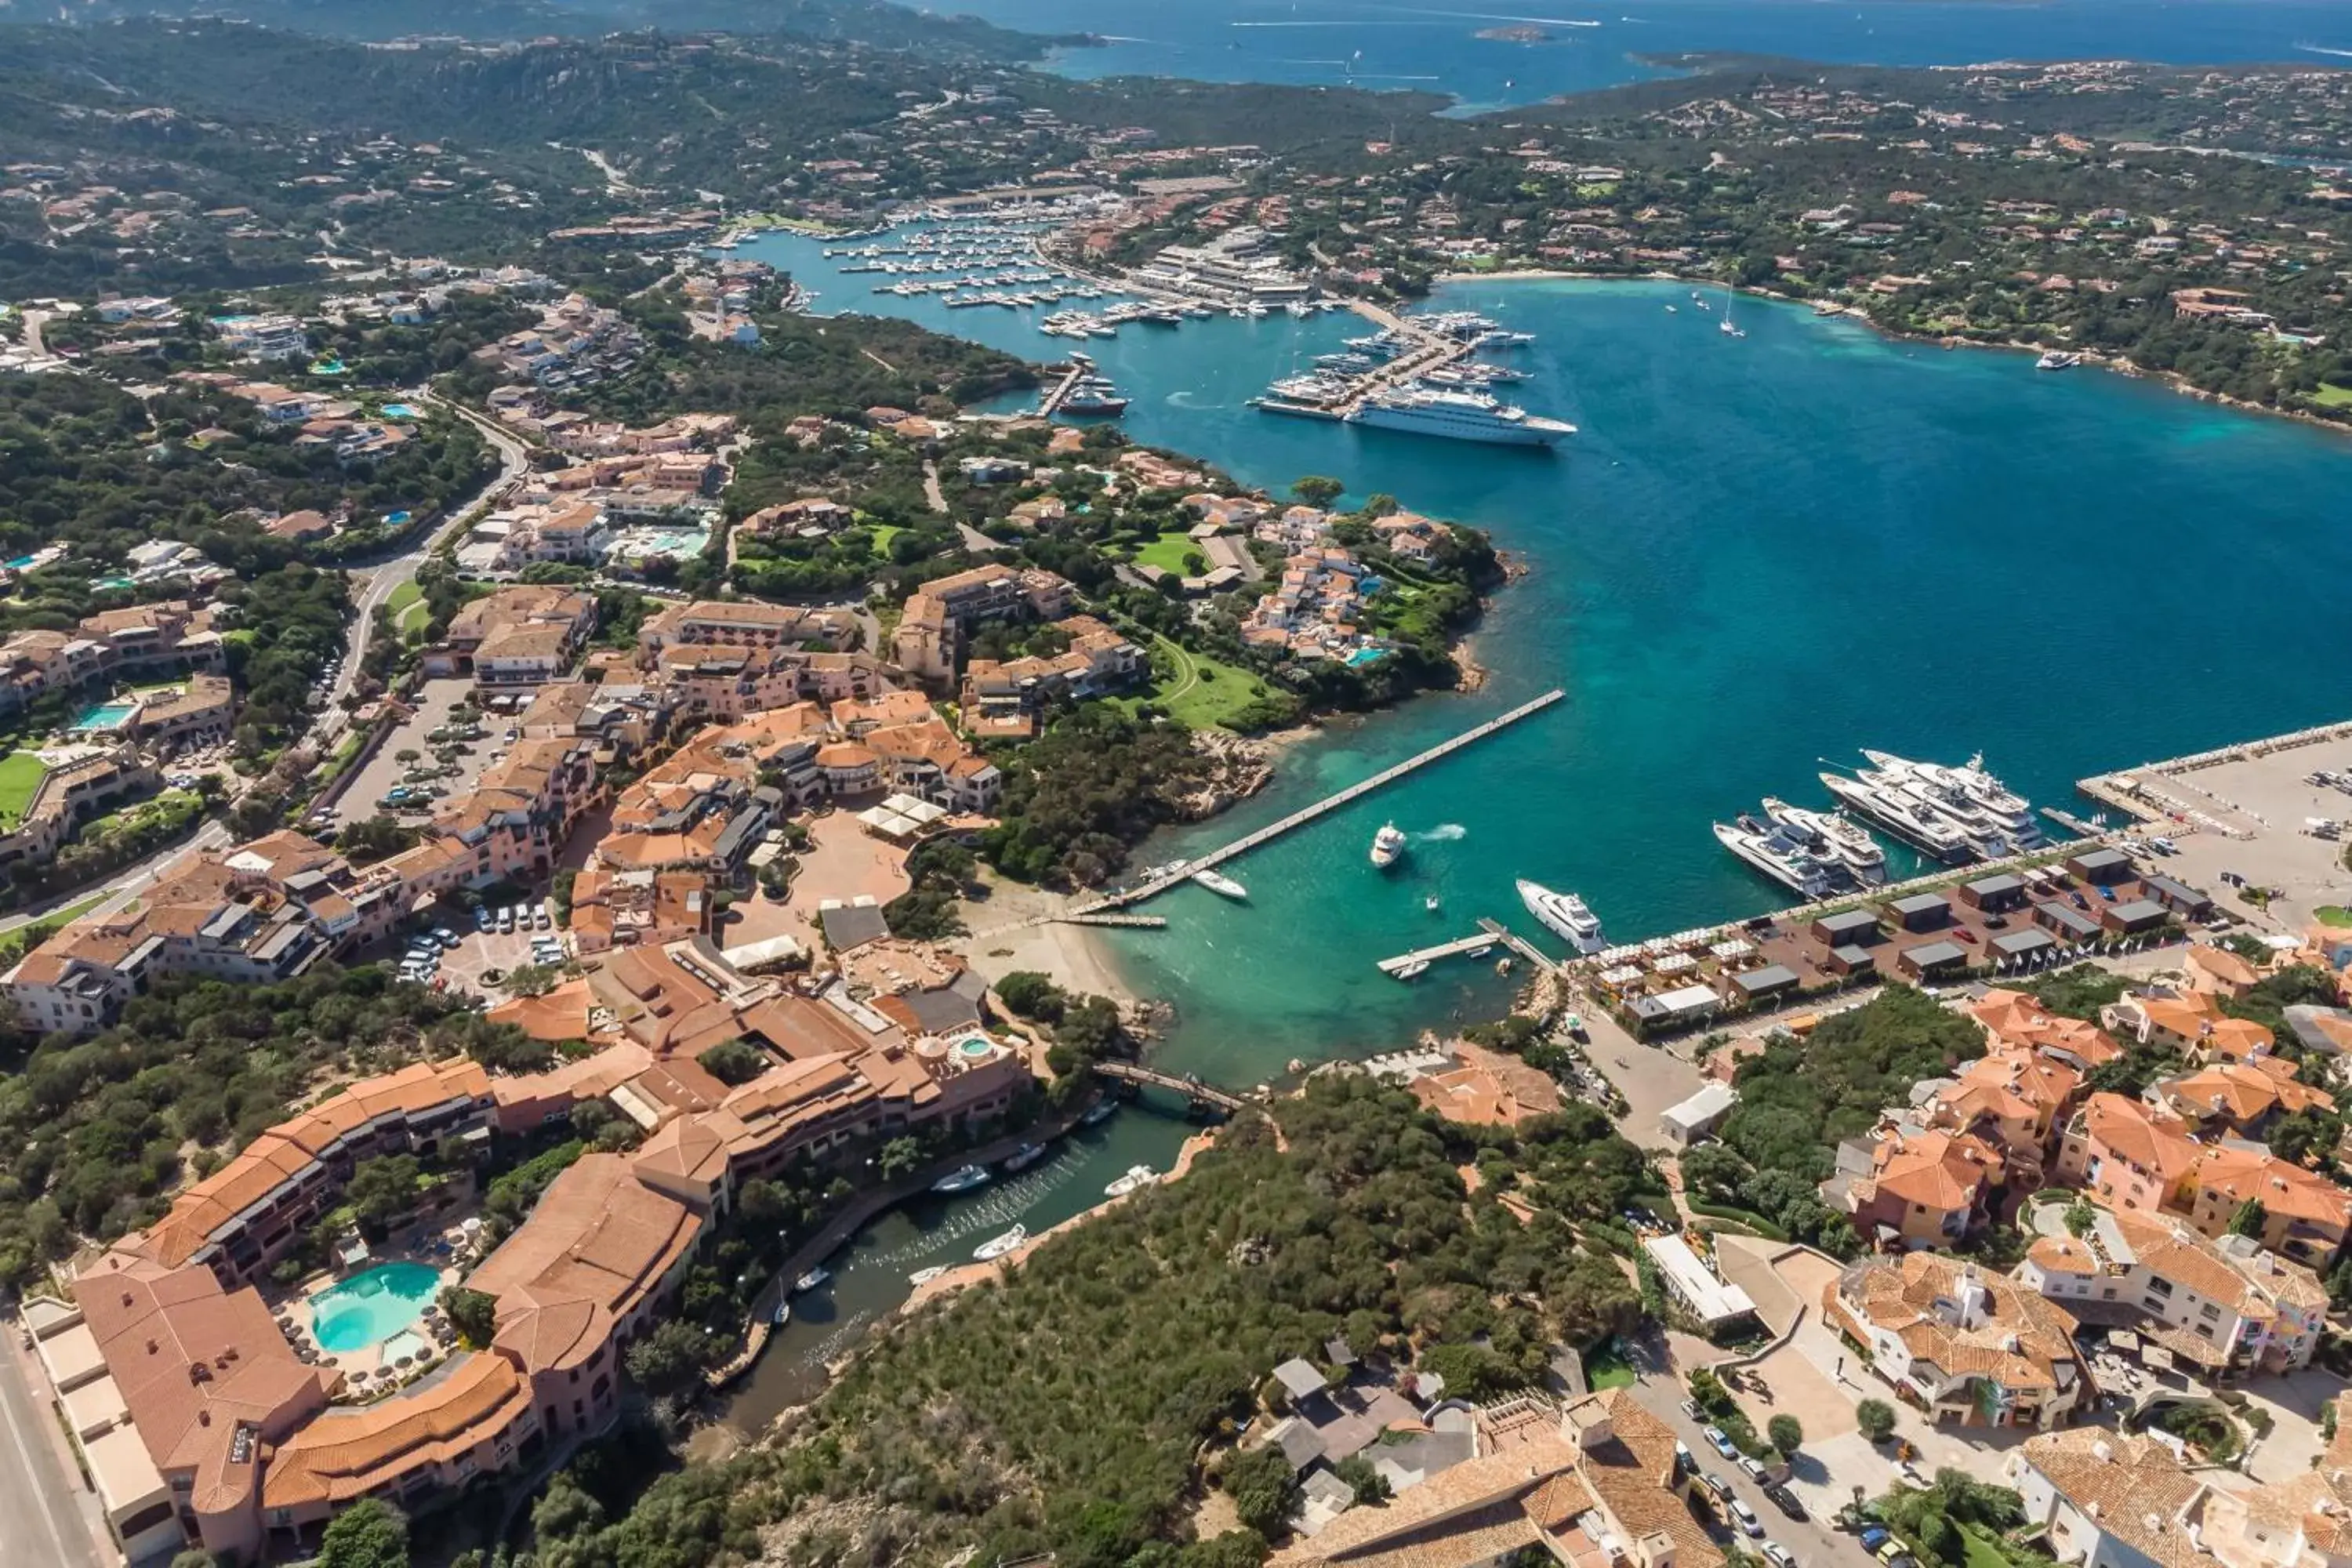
(1521, 33)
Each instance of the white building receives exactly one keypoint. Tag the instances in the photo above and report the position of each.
(1697, 1117)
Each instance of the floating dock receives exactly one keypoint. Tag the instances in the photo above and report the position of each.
(1330, 802)
(1464, 947)
(1080, 368)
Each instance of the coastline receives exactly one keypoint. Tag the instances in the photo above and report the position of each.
(1011, 929)
(2117, 366)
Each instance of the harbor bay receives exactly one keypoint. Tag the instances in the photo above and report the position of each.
(1759, 555)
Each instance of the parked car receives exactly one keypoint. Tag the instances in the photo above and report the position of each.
(1715, 1483)
(1723, 1443)
(1744, 1517)
(506, 921)
(1691, 1408)
(1876, 1536)
(1779, 1556)
(1755, 1468)
(1785, 1500)
(544, 920)
(445, 936)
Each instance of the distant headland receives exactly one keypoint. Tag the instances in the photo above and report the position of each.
(1515, 35)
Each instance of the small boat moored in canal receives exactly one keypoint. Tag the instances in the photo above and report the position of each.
(997, 1247)
(962, 1179)
(811, 1280)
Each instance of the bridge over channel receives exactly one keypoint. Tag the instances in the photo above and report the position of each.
(1189, 1086)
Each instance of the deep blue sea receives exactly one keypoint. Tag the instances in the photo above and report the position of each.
(1434, 46)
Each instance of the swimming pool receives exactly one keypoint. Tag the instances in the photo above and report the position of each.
(370, 1308)
(974, 1046)
(105, 716)
(398, 411)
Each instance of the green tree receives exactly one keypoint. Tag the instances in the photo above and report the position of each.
(1263, 1487)
(900, 1157)
(382, 1190)
(1032, 995)
(368, 1534)
(1786, 1433)
(1367, 1483)
(531, 979)
(1317, 490)
(733, 1062)
(1876, 1418)
(671, 1357)
(473, 1313)
(2081, 1216)
(2250, 1218)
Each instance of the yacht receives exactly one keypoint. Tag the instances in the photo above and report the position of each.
(1138, 1176)
(1929, 832)
(1849, 841)
(1220, 885)
(1776, 852)
(2054, 360)
(1024, 1157)
(962, 1179)
(1968, 790)
(811, 1280)
(1094, 395)
(998, 1246)
(1101, 1112)
(924, 1275)
(1387, 846)
(1459, 415)
(1565, 915)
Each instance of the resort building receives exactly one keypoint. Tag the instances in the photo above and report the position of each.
(2111, 1499)
(1913, 1187)
(740, 624)
(1593, 1484)
(76, 783)
(1961, 1346)
(2227, 1306)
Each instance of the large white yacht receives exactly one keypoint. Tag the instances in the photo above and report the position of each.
(1828, 830)
(1459, 415)
(1904, 817)
(1967, 791)
(1565, 915)
(1776, 852)
(1387, 846)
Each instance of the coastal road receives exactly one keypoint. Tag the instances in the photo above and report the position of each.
(42, 1500)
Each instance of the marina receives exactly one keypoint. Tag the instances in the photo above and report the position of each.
(1406, 965)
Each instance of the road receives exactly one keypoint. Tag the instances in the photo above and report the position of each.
(1813, 1542)
(40, 1499)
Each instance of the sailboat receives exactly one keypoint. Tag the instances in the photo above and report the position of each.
(1725, 325)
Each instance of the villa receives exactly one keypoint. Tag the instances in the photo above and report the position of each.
(1959, 1345)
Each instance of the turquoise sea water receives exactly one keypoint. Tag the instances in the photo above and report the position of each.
(1757, 553)
(370, 1308)
(1432, 44)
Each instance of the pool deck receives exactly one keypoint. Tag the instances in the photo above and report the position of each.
(297, 1315)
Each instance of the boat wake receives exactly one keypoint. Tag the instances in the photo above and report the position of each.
(1443, 833)
(1184, 400)
(996, 1207)
(2322, 49)
(834, 1344)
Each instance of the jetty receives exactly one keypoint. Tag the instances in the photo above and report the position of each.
(1080, 368)
(1518, 944)
(1133, 922)
(1462, 947)
(1328, 804)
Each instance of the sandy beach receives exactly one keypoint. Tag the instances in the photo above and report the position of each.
(1073, 956)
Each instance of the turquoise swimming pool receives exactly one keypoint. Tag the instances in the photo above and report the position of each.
(370, 1308)
(105, 716)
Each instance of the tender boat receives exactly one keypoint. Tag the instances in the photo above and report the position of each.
(1430, 903)
(1024, 1157)
(1138, 1176)
(962, 1179)
(1101, 1112)
(1413, 970)
(1565, 915)
(1387, 846)
(811, 1280)
(997, 1247)
(783, 1314)
(1220, 885)
(924, 1275)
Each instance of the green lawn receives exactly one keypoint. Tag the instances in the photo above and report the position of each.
(1168, 552)
(1200, 692)
(2328, 396)
(400, 598)
(1606, 1366)
(883, 533)
(413, 617)
(20, 774)
(1982, 1550)
(2332, 915)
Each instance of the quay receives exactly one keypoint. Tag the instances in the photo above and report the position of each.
(1330, 802)
(1462, 947)
(1080, 368)
(1133, 923)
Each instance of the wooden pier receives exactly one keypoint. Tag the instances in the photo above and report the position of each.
(1463, 947)
(1330, 802)
(1518, 944)
(1133, 923)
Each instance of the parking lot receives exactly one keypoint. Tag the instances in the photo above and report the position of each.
(385, 771)
(477, 954)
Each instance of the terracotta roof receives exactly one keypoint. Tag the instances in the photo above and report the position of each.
(340, 1455)
(2124, 1482)
(2017, 1338)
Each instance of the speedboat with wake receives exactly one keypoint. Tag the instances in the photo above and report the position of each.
(1387, 846)
(1565, 915)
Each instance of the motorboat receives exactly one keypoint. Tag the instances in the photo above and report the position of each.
(1387, 846)
(1564, 914)
(1412, 971)
(2054, 360)
(1101, 1112)
(996, 1246)
(782, 1315)
(924, 1275)
(1849, 841)
(811, 1280)
(1137, 1178)
(1024, 1157)
(1221, 885)
(1430, 903)
(1904, 817)
(962, 1179)
(1775, 851)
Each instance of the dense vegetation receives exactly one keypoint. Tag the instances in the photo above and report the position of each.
(1094, 783)
(96, 1133)
(1141, 1338)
